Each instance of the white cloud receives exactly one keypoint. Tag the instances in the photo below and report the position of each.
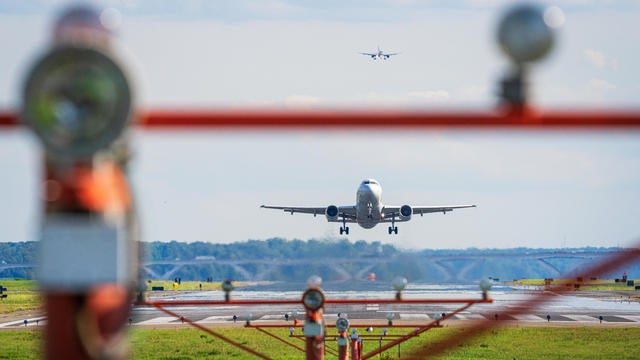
(595, 58)
(430, 95)
(600, 85)
(303, 101)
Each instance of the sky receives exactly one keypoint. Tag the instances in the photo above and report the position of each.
(533, 189)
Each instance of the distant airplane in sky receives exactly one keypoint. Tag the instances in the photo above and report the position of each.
(380, 55)
(368, 210)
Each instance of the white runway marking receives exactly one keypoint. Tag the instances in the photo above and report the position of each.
(528, 317)
(30, 322)
(576, 317)
(158, 320)
(635, 318)
(272, 317)
(470, 317)
(217, 318)
(414, 316)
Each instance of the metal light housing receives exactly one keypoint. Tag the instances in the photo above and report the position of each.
(313, 299)
(399, 283)
(77, 100)
(485, 285)
(342, 324)
(524, 35)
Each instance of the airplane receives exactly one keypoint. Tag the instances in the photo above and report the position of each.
(368, 210)
(380, 55)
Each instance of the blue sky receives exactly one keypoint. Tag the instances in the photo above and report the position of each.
(536, 189)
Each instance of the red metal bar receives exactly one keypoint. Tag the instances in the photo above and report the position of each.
(399, 326)
(299, 301)
(278, 338)
(213, 333)
(417, 332)
(265, 119)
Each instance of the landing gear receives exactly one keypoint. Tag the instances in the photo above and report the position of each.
(393, 228)
(344, 228)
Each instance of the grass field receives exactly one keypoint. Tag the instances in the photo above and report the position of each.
(503, 343)
(24, 294)
(600, 284)
(188, 285)
(21, 295)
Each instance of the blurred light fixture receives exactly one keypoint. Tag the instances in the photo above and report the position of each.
(77, 100)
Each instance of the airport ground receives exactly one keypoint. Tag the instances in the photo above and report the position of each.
(153, 335)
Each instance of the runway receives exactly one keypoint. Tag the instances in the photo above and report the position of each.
(579, 309)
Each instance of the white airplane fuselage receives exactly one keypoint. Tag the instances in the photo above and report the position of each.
(369, 204)
(368, 210)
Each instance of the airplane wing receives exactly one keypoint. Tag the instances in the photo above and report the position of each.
(368, 54)
(391, 211)
(348, 212)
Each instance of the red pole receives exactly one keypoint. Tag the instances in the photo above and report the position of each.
(315, 348)
(343, 346)
(355, 347)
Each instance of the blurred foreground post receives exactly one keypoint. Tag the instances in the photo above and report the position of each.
(77, 100)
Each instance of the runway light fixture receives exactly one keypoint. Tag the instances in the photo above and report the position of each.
(390, 317)
(247, 318)
(342, 324)
(524, 35)
(313, 299)
(399, 284)
(385, 331)
(485, 286)
(227, 287)
(77, 101)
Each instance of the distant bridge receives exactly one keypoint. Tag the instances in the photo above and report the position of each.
(451, 268)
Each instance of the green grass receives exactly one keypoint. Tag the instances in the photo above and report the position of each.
(21, 295)
(23, 344)
(188, 285)
(502, 343)
(606, 285)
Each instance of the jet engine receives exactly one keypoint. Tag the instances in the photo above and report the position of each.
(405, 212)
(331, 213)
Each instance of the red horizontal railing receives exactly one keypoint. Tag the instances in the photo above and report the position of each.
(265, 119)
(299, 302)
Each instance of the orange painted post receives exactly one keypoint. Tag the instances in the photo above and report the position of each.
(342, 324)
(77, 101)
(343, 346)
(314, 329)
(356, 352)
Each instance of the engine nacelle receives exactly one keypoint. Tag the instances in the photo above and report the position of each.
(405, 212)
(331, 213)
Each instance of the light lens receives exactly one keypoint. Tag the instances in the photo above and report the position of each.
(342, 324)
(524, 35)
(399, 283)
(77, 100)
(313, 299)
